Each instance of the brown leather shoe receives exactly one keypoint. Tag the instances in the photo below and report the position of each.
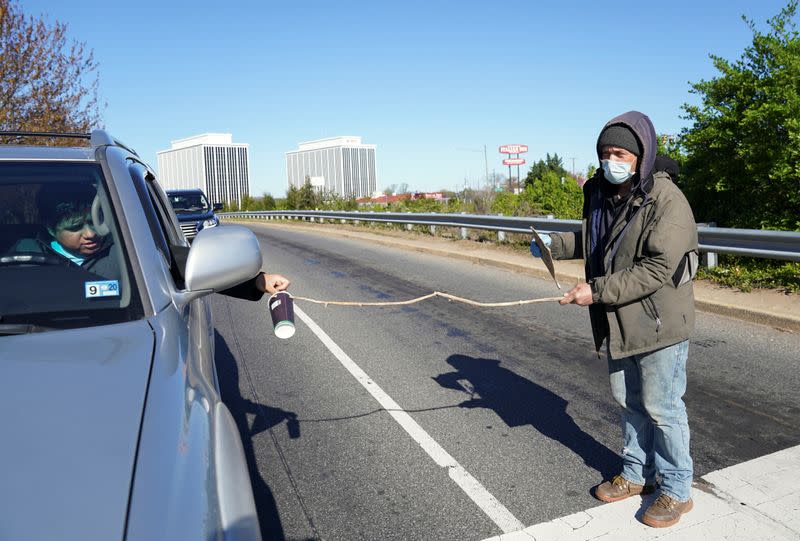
(666, 511)
(620, 488)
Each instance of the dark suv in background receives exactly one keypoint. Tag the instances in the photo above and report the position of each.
(193, 211)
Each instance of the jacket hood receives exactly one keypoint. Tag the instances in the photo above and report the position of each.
(641, 125)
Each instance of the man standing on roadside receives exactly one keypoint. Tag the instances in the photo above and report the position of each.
(639, 244)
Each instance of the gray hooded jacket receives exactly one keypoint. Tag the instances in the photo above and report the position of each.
(644, 300)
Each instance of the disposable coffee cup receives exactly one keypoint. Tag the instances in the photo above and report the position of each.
(281, 308)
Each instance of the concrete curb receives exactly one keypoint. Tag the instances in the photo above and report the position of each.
(783, 321)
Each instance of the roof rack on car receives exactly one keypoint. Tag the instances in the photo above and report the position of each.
(97, 138)
(44, 134)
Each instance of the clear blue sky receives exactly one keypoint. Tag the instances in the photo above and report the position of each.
(429, 82)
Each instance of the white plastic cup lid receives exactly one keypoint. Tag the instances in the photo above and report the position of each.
(284, 329)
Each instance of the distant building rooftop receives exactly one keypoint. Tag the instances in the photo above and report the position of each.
(340, 141)
(203, 139)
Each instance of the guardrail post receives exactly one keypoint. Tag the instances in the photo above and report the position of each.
(710, 259)
(501, 235)
(432, 229)
(343, 221)
(409, 227)
(321, 220)
(464, 234)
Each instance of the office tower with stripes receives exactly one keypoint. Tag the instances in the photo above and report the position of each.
(211, 162)
(339, 165)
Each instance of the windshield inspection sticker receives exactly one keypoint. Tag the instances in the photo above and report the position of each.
(105, 288)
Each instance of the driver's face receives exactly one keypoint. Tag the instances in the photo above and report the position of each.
(77, 235)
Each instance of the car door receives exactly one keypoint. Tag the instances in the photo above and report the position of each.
(234, 498)
(190, 448)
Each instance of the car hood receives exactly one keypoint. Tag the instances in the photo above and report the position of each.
(71, 405)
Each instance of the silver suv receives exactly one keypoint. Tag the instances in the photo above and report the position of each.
(113, 426)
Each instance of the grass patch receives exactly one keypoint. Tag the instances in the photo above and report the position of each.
(748, 273)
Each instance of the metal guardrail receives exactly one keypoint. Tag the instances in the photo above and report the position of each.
(783, 245)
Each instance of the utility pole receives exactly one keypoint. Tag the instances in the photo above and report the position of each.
(485, 158)
(486, 164)
(573, 166)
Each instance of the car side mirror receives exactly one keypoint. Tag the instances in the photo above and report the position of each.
(222, 257)
(218, 206)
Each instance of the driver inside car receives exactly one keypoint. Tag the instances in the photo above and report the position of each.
(75, 237)
(69, 231)
(70, 234)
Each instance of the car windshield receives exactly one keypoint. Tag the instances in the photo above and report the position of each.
(62, 261)
(188, 202)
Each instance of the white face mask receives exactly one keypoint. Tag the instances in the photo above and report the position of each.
(616, 172)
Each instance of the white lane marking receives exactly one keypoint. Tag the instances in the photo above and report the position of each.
(495, 510)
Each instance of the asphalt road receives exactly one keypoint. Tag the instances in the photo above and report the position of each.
(515, 399)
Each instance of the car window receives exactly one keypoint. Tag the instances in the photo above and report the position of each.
(167, 217)
(63, 263)
(188, 203)
(163, 223)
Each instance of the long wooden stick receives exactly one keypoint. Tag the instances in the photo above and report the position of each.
(430, 296)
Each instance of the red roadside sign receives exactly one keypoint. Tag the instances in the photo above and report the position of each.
(513, 149)
(514, 161)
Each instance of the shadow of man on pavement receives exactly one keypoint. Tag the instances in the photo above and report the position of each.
(519, 401)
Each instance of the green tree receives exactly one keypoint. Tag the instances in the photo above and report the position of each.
(549, 189)
(743, 149)
(334, 201)
(308, 198)
(505, 203)
(47, 83)
(550, 164)
(268, 202)
(554, 194)
(248, 203)
(669, 145)
(292, 198)
(423, 205)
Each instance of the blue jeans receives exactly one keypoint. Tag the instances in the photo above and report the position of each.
(650, 388)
